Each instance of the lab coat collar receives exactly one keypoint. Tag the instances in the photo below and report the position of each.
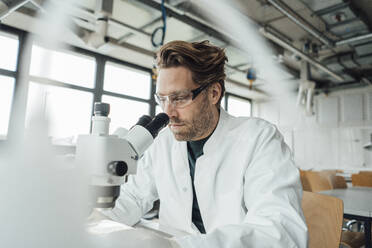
(215, 139)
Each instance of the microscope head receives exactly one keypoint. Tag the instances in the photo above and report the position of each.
(109, 159)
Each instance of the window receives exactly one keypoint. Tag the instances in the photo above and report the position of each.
(8, 62)
(68, 111)
(123, 112)
(223, 102)
(65, 67)
(127, 84)
(8, 51)
(238, 106)
(127, 81)
(6, 96)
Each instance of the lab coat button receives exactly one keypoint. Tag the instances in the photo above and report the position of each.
(184, 189)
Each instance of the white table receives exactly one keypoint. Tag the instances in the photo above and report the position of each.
(110, 234)
(357, 206)
(105, 233)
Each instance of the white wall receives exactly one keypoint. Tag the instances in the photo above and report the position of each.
(333, 137)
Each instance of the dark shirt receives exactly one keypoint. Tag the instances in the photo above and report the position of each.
(194, 151)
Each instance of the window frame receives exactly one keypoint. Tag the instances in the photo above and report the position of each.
(21, 88)
(13, 74)
(228, 94)
(62, 48)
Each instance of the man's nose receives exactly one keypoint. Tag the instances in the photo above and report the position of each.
(169, 109)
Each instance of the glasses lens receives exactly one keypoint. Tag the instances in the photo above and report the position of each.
(181, 101)
(160, 100)
(157, 100)
(177, 100)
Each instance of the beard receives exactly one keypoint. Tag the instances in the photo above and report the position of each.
(196, 127)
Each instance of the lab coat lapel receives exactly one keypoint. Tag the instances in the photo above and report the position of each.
(207, 168)
(181, 169)
(218, 135)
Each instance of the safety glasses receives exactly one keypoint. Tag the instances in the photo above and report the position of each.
(180, 99)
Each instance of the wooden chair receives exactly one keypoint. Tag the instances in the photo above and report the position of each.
(352, 239)
(338, 182)
(324, 215)
(327, 180)
(362, 179)
(318, 181)
(348, 239)
(304, 181)
(365, 172)
(329, 172)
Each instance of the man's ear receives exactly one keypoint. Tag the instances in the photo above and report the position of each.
(215, 91)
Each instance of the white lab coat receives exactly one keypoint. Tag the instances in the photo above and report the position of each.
(247, 186)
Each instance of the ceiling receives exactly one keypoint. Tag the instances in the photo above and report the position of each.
(333, 36)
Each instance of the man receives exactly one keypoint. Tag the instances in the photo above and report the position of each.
(228, 181)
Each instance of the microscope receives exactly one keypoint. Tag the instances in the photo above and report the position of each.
(109, 159)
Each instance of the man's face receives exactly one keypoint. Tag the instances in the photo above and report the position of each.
(194, 120)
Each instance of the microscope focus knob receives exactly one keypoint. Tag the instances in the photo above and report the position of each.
(117, 168)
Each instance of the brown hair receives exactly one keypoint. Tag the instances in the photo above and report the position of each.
(205, 61)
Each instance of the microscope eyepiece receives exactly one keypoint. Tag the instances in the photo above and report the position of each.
(144, 120)
(159, 122)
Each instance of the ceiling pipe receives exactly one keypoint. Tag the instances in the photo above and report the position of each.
(366, 81)
(7, 7)
(287, 11)
(38, 4)
(353, 39)
(189, 19)
(115, 42)
(103, 13)
(127, 36)
(304, 56)
(134, 30)
(233, 68)
(93, 20)
(342, 86)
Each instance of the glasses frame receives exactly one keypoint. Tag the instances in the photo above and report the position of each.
(195, 93)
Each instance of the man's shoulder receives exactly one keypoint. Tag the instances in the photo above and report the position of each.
(249, 124)
(249, 129)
